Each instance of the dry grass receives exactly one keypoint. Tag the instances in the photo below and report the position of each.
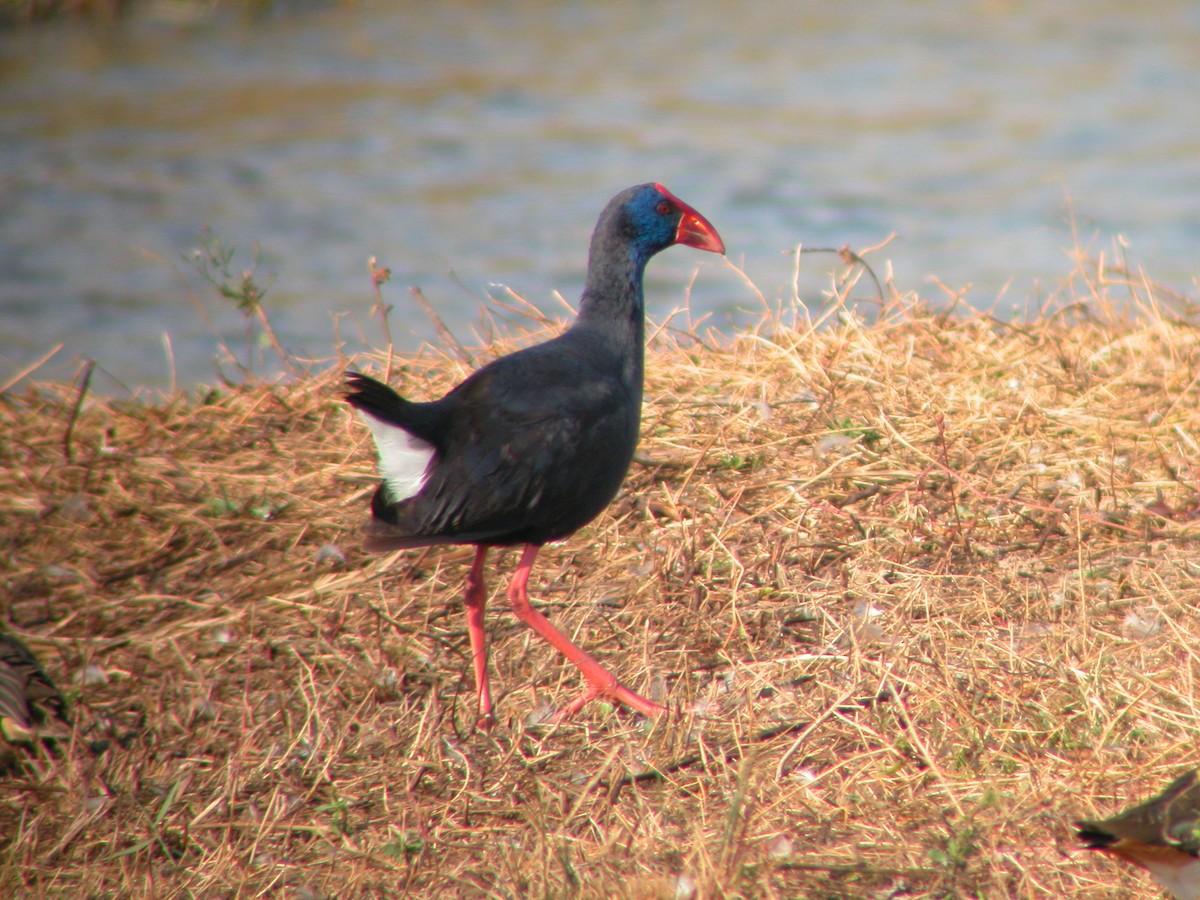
(919, 591)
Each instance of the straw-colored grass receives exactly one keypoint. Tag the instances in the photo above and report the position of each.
(919, 591)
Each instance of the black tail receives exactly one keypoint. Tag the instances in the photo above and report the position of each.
(1094, 837)
(376, 399)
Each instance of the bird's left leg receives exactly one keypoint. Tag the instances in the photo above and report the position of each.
(601, 682)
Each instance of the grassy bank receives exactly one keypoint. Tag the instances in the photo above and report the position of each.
(919, 592)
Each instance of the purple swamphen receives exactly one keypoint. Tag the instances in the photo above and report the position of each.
(534, 445)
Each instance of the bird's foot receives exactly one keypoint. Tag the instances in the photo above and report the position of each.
(615, 692)
(485, 722)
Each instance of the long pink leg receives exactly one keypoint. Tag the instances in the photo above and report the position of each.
(475, 599)
(601, 682)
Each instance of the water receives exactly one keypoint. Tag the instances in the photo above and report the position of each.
(467, 144)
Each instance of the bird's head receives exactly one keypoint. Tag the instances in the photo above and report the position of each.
(653, 219)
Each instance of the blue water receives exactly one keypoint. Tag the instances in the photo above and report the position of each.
(469, 144)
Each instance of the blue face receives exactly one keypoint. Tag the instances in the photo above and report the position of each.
(641, 220)
(653, 219)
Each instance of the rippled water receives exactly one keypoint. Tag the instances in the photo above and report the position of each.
(466, 144)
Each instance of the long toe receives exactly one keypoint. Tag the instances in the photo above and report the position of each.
(635, 701)
(618, 694)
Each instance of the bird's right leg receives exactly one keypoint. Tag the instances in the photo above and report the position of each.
(475, 600)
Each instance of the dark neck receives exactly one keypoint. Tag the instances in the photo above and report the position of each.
(612, 297)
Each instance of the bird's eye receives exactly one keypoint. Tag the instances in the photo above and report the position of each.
(663, 207)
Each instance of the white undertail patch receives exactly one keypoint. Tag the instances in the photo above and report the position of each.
(403, 458)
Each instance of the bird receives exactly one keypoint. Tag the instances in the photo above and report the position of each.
(534, 445)
(1161, 835)
(28, 698)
